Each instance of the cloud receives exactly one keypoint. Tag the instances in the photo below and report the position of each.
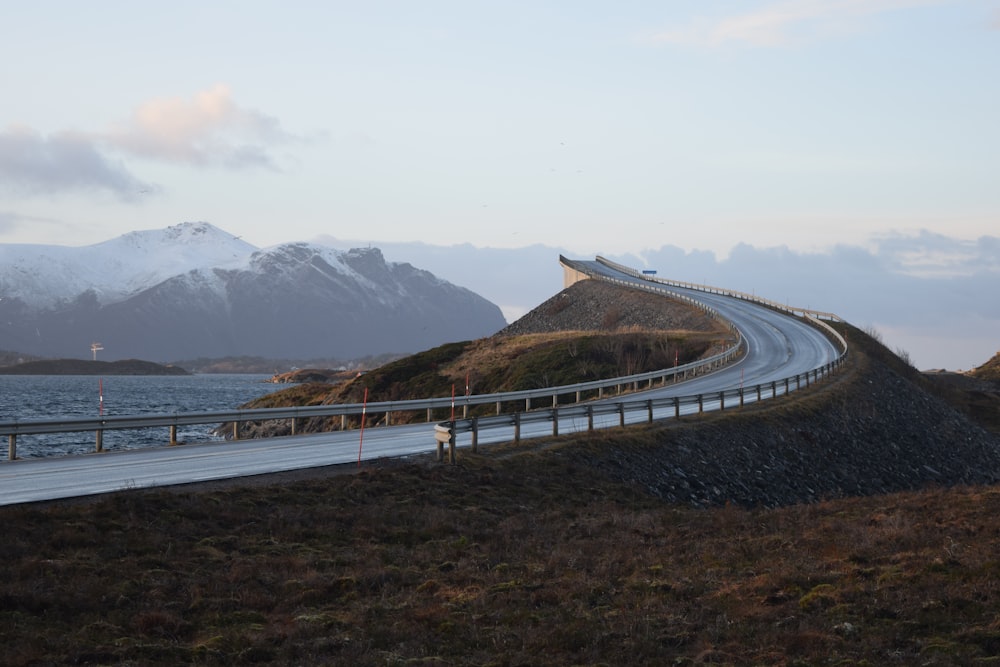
(33, 164)
(12, 221)
(208, 130)
(783, 23)
(930, 255)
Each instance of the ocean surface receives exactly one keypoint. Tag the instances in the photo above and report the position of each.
(28, 397)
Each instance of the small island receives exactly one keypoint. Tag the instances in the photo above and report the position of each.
(88, 367)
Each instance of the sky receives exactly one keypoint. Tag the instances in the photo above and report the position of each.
(794, 127)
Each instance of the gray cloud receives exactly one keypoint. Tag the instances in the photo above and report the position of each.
(33, 164)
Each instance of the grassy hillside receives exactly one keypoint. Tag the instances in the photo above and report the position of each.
(990, 370)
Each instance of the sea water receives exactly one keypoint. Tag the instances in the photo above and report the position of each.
(30, 397)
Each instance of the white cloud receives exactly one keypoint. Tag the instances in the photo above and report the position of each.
(33, 164)
(210, 129)
(783, 23)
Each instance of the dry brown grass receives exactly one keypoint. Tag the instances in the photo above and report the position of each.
(525, 561)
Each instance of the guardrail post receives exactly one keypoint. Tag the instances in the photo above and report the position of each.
(475, 434)
(517, 427)
(428, 415)
(798, 381)
(236, 430)
(701, 404)
(11, 447)
(555, 421)
(498, 407)
(722, 400)
(786, 386)
(388, 417)
(343, 422)
(100, 441)
(527, 404)
(741, 397)
(590, 419)
(555, 400)
(621, 415)
(173, 434)
(758, 393)
(649, 409)
(451, 443)
(677, 407)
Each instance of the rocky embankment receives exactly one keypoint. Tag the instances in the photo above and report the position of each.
(876, 428)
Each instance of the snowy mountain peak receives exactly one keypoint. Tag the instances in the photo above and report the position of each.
(44, 275)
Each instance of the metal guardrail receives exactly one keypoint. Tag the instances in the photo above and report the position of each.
(446, 432)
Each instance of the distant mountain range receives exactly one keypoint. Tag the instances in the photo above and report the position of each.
(193, 290)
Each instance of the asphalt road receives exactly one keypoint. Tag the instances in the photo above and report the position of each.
(779, 346)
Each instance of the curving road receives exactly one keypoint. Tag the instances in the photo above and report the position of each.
(779, 346)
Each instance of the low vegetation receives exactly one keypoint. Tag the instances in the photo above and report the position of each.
(519, 560)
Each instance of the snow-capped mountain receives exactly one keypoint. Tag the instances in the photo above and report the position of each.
(193, 290)
(45, 275)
